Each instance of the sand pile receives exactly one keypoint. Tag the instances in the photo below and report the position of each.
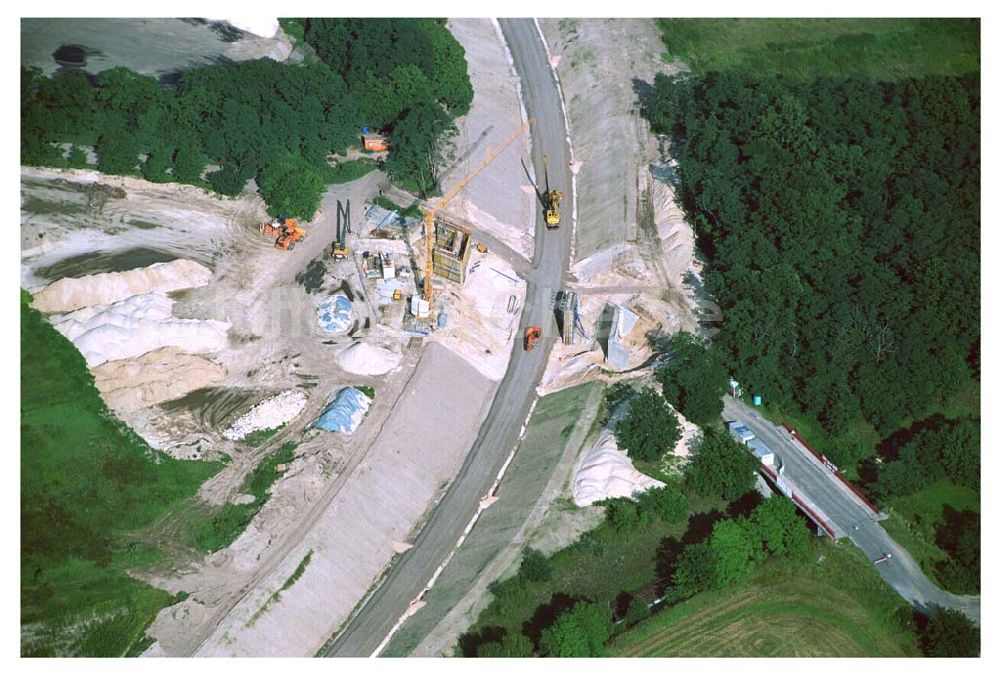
(270, 413)
(161, 375)
(68, 294)
(605, 471)
(362, 358)
(136, 325)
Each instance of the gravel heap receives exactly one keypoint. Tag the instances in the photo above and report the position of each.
(270, 413)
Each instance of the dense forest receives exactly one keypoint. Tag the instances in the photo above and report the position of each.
(261, 119)
(841, 220)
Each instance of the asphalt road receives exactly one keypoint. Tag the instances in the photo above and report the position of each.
(848, 514)
(370, 625)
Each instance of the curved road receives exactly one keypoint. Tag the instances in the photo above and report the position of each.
(849, 516)
(369, 626)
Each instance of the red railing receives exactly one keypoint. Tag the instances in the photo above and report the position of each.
(836, 472)
(812, 514)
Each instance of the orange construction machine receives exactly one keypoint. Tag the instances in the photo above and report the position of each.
(532, 334)
(288, 232)
(291, 234)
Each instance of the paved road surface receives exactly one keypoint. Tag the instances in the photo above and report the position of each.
(849, 515)
(362, 635)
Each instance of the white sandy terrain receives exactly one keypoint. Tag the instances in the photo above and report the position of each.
(413, 456)
(362, 358)
(504, 203)
(480, 327)
(605, 472)
(68, 294)
(136, 325)
(129, 385)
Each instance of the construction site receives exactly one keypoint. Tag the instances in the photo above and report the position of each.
(374, 339)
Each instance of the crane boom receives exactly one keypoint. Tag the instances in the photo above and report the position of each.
(431, 211)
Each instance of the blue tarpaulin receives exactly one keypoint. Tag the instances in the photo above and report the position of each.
(335, 314)
(345, 412)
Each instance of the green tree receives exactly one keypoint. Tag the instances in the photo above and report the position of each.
(694, 379)
(189, 162)
(416, 145)
(649, 430)
(623, 514)
(291, 188)
(838, 268)
(669, 504)
(579, 632)
(638, 609)
(535, 566)
(721, 467)
(779, 528)
(696, 569)
(737, 550)
(117, 152)
(949, 633)
(77, 157)
(510, 647)
(155, 167)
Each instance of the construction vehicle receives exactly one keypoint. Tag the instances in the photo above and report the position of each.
(481, 247)
(373, 142)
(431, 211)
(532, 334)
(552, 199)
(340, 250)
(273, 227)
(291, 233)
(397, 294)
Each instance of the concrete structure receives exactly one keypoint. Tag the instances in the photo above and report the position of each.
(451, 251)
(567, 315)
(621, 325)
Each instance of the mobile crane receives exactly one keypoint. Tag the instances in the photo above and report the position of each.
(552, 199)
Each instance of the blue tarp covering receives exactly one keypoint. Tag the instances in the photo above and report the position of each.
(345, 411)
(335, 314)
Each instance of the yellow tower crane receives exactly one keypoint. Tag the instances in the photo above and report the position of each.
(431, 211)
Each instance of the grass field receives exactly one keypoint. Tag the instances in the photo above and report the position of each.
(88, 483)
(914, 520)
(805, 48)
(599, 566)
(838, 607)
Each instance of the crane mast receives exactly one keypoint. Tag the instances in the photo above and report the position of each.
(431, 211)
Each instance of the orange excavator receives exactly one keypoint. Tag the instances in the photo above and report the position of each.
(288, 232)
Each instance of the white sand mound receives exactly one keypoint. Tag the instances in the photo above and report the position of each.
(69, 294)
(270, 413)
(158, 376)
(139, 324)
(605, 472)
(362, 358)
